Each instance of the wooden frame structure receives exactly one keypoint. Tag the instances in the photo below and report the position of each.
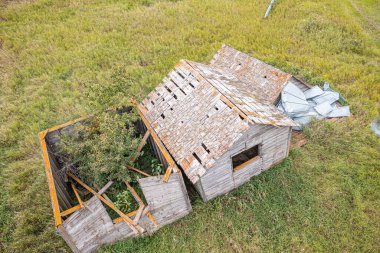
(147, 218)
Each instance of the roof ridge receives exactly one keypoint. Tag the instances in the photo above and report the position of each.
(261, 61)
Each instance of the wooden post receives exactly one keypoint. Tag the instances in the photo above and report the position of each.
(139, 171)
(71, 210)
(134, 193)
(143, 141)
(77, 194)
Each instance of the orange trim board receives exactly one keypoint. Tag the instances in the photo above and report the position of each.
(49, 175)
(71, 210)
(246, 163)
(68, 123)
(172, 166)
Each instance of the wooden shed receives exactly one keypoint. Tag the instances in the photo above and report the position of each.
(87, 225)
(219, 121)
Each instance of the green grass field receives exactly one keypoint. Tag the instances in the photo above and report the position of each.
(63, 59)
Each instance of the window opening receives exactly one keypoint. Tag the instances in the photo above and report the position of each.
(245, 157)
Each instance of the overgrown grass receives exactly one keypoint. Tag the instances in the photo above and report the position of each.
(63, 59)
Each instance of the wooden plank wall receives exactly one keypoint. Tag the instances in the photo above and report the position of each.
(169, 201)
(274, 147)
(61, 186)
(91, 226)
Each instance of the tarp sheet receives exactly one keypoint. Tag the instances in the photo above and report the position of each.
(302, 107)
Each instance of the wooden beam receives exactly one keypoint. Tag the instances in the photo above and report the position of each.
(134, 193)
(77, 194)
(119, 219)
(133, 225)
(143, 141)
(139, 213)
(139, 171)
(105, 188)
(141, 203)
(49, 175)
(142, 144)
(232, 105)
(71, 210)
(156, 139)
(68, 123)
(150, 216)
(167, 173)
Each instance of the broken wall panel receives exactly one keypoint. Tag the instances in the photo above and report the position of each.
(168, 200)
(89, 226)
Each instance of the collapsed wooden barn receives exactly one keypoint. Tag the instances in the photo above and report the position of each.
(219, 121)
(87, 225)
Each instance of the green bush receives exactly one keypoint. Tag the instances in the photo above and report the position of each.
(101, 147)
(126, 202)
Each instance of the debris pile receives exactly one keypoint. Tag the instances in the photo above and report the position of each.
(303, 106)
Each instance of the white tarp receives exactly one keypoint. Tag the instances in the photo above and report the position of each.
(343, 111)
(293, 99)
(313, 92)
(316, 103)
(324, 108)
(327, 96)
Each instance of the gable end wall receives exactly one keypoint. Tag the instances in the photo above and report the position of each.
(274, 147)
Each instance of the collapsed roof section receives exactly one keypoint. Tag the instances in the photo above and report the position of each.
(247, 101)
(259, 77)
(199, 111)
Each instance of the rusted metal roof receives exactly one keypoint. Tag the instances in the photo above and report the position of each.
(199, 111)
(265, 80)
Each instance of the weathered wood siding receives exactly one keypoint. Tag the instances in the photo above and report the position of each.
(64, 198)
(168, 201)
(91, 226)
(273, 148)
(88, 228)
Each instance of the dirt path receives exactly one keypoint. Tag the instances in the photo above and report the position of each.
(372, 22)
